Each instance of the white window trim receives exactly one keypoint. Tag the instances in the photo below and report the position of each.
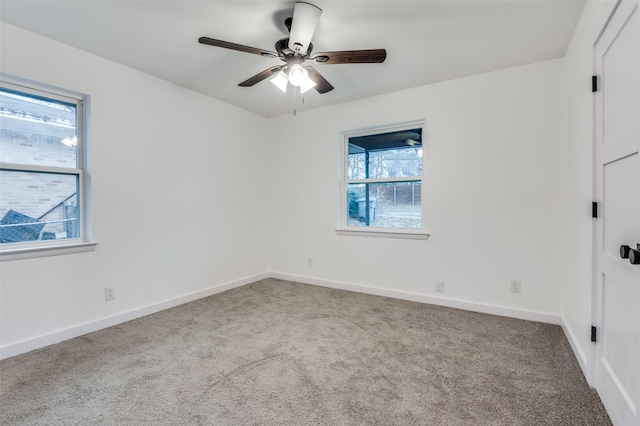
(406, 233)
(384, 232)
(45, 251)
(28, 250)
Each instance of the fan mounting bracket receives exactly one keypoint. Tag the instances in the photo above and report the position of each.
(284, 52)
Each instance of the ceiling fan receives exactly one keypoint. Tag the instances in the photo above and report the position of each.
(295, 51)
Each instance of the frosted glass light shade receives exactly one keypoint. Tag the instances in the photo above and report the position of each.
(297, 75)
(307, 85)
(280, 81)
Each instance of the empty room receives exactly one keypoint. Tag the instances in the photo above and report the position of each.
(320, 212)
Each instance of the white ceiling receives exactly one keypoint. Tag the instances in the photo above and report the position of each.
(426, 41)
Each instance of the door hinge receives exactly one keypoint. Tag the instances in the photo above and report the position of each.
(594, 83)
(593, 333)
(594, 210)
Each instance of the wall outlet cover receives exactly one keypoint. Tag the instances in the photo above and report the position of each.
(109, 293)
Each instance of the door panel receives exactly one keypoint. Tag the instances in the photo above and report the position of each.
(621, 103)
(620, 312)
(617, 139)
(623, 211)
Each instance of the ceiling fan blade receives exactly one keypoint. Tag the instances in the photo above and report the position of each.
(238, 47)
(305, 21)
(371, 56)
(261, 76)
(322, 85)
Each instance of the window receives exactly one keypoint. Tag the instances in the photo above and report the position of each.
(42, 176)
(382, 191)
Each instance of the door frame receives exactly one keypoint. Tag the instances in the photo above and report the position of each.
(605, 17)
(621, 399)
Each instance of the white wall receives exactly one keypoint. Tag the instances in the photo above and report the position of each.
(493, 145)
(177, 179)
(577, 186)
(508, 183)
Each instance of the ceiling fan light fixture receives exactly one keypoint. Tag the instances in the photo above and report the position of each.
(280, 81)
(307, 84)
(295, 50)
(297, 75)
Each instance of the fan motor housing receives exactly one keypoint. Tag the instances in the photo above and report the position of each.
(284, 52)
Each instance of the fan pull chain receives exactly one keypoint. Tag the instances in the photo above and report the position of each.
(294, 100)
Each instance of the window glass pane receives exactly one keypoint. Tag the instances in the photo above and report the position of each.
(356, 167)
(38, 206)
(394, 163)
(390, 205)
(385, 155)
(37, 131)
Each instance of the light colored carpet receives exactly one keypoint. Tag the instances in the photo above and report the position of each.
(282, 353)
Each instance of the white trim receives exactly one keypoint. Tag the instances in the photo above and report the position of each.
(46, 250)
(35, 249)
(36, 88)
(381, 232)
(580, 355)
(344, 181)
(504, 311)
(372, 130)
(38, 342)
(602, 22)
(58, 336)
(386, 180)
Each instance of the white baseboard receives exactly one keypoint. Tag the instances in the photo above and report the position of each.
(580, 355)
(58, 336)
(424, 298)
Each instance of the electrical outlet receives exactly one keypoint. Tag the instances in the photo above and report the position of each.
(516, 286)
(439, 286)
(310, 262)
(109, 293)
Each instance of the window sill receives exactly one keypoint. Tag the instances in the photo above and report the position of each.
(44, 251)
(378, 232)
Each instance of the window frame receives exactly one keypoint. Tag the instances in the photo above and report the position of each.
(42, 248)
(344, 182)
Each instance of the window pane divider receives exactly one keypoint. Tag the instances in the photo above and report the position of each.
(28, 168)
(385, 180)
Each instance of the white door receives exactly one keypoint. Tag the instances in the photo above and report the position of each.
(617, 138)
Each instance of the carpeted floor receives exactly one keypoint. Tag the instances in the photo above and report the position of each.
(282, 353)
